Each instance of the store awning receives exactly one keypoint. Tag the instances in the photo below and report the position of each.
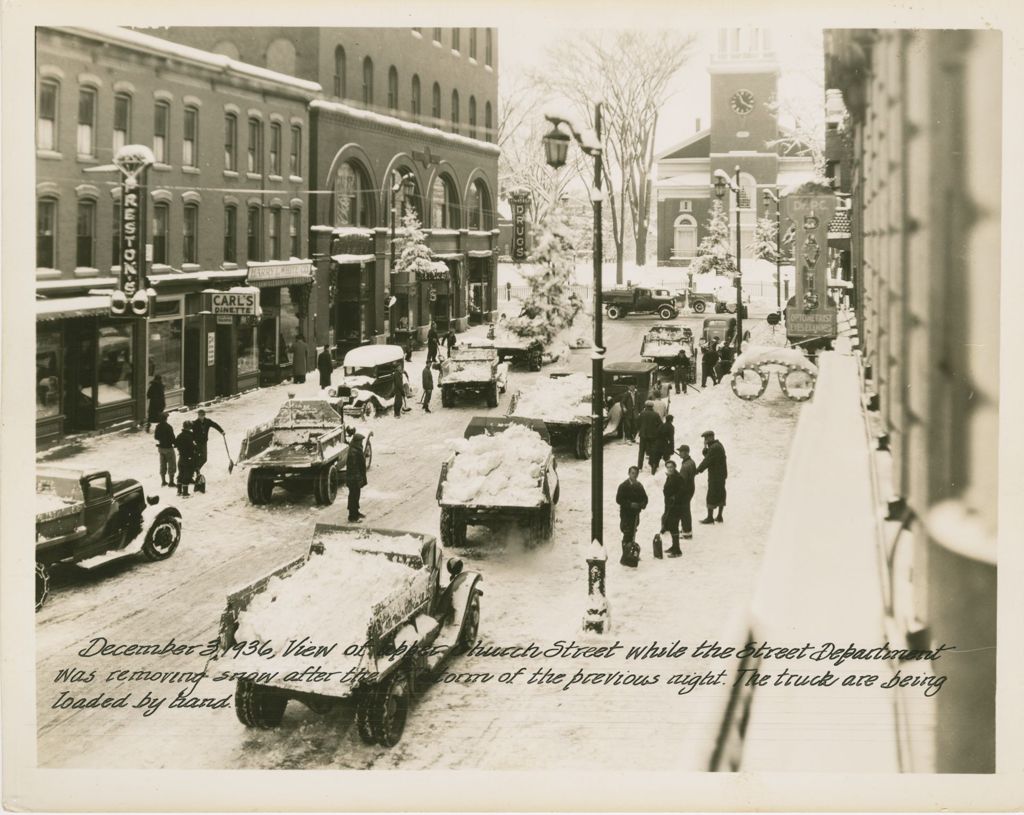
(192, 277)
(280, 273)
(480, 253)
(61, 308)
(346, 259)
(447, 255)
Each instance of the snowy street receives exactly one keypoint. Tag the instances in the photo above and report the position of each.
(530, 596)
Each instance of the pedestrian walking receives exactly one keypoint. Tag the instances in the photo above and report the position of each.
(725, 357)
(427, 381)
(708, 361)
(450, 341)
(688, 472)
(632, 500)
(164, 435)
(186, 444)
(649, 430)
(201, 428)
(628, 403)
(432, 344)
(300, 359)
(157, 400)
(399, 386)
(325, 365)
(667, 441)
(715, 463)
(681, 371)
(355, 476)
(674, 492)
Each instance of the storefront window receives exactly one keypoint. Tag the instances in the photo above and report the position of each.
(248, 359)
(288, 326)
(115, 363)
(48, 345)
(165, 343)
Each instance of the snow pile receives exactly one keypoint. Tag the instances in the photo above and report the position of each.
(658, 347)
(468, 370)
(505, 469)
(47, 502)
(559, 399)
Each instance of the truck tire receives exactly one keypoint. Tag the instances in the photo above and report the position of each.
(447, 527)
(390, 708)
(492, 395)
(364, 723)
(368, 454)
(258, 706)
(666, 312)
(699, 306)
(42, 584)
(447, 396)
(163, 537)
(535, 359)
(615, 313)
(325, 487)
(259, 487)
(470, 624)
(584, 443)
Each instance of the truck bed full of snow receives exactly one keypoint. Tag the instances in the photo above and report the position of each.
(505, 469)
(465, 371)
(563, 399)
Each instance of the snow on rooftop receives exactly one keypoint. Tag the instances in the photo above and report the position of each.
(410, 128)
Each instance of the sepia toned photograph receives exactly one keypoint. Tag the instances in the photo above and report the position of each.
(584, 397)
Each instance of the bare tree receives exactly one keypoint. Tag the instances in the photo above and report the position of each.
(630, 72)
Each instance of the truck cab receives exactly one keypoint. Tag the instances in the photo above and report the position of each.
(640, 300)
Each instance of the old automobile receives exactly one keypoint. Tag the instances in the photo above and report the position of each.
(367, 386)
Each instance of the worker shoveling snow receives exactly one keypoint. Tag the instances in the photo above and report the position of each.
(559, 399)
(504, 469)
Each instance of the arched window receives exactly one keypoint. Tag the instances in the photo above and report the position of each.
(46, 121)
(472, 117)
(339, 72)
(46, 233)
(231, 142)
(435, 102)
(456, 39)
(190, 234)
(488, 122)
(230, 233)
(489, 46)
(472, 43)
(444, 213)
(226, 48)
(455, 111)
(281, 56)
(161, 218)
(352, 196)
(122, 120)
(684, 237)
(392, 88)
(478, 207)
(408, 195)
(368, 81)
(254, 233)
(85, 254)
(416, 101)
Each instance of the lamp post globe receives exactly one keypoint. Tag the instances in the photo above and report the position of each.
(719, 186)
(556, 147)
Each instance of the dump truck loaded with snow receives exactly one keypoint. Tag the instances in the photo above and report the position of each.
(303, 449)
(518, 351)
(361, 616)
(473, 371)
(562, 403)
(663, 343)
(502, 471)
(85, 518)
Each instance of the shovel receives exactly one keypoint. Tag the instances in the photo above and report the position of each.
(231, 461)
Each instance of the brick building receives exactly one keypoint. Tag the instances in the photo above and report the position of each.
(226, 208)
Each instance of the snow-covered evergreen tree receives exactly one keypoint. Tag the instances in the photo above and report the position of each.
(714, 255)
(763, 245)
(551, 305)
(413, 254)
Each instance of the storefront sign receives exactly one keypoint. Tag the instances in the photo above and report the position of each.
(211, 348)
(132, 277)
(519, 203)
(234, 302)
(280, 274)
(810, 210)
(225, 319)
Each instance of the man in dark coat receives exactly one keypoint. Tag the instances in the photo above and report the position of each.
(708, 361)
(674, 492)
(632, 500)
(715, 464)
(355, 476)
(325, 365)
(688, 474)
(649, 430)
(186, 444)
(427, 381)
(164, 435)
(432, 344)
(157, 400)
(300, 359)
(681, 371)
(201, 428)
(667, 438)
(628, 403)
(450, 341)
(399, 385)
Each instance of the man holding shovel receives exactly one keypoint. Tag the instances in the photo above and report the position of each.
(201, 430)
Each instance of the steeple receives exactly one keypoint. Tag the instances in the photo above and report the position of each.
(743, 50)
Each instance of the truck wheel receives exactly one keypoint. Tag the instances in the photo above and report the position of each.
(258, 706)
(42, 584)
(390, 708)
(470, 624)
(368, 454)
(615, 313)
(325, 488)
(447, 396)
(162, 538)
(535, 360)
(367, 409)
(259, 488)
(459, 529)
(364, 725)
(447, 527)
(666, 312)
(584, 442)
(492, 395)
(699, 306)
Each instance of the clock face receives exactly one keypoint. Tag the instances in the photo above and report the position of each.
(742, 102)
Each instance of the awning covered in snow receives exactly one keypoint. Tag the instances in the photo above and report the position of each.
(61, 308)
(280, 273)
(480, 253)
(346, 259)
(447, 255)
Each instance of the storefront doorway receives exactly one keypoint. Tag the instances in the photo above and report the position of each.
(79, 375)
(224, 362)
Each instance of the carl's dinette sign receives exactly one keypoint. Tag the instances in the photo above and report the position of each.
(519, 202)
(241, 303)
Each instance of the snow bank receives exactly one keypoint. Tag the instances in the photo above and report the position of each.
(559, 399)
(505, 469)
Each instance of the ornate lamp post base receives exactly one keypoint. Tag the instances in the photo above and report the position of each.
(598, 616)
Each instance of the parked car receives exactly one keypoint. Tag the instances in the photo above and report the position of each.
(86, 516)
(368, 384)
(620, 302)
(644, 375)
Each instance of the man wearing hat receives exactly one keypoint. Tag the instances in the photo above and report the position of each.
(649, 425)
(715, 464)
(632, 500)
(688, 474)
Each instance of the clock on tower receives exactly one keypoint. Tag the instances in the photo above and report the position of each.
(744, 79)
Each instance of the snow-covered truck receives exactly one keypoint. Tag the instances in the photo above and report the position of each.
(517, 351)
(473, 371)
(502, 471)
(662, 345)
(360, 617)
(562, 403)
(303, 449)
(84, 517)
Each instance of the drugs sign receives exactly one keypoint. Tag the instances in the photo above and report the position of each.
(519, 202)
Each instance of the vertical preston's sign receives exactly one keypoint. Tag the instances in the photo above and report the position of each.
(133, 254)
(811, 314)
(519, 202)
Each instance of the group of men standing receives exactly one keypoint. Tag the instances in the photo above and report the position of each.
(185, 451)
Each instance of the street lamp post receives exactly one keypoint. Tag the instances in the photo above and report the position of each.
(771, 196)
(556, 147)
(722, 181)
